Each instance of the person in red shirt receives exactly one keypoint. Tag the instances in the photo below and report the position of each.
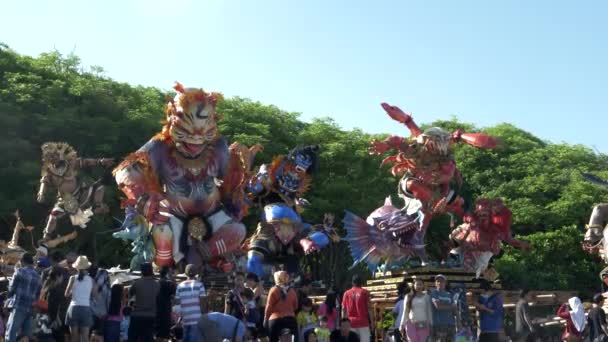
(356, 307)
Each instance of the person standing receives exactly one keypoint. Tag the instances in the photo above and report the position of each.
(101, 302)
(164, 304)
(417, 314)
(281, 307)
(356, 307)
(329, 308)
(111, 327)
(80, 288)
(234, 304)
(490, 309)
(524, 330)
(189, 296)
(574, 314)
(144, 291)
(443, 308)
(55, 281)
(402, 290)
(598, 331)
(306, 318)
(23, 291)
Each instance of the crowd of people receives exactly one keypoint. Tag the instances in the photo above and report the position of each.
(442, 315)
(68, 298)
(71, 299)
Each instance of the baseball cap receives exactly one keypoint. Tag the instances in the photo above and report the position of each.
(190, 270)
(440, 276)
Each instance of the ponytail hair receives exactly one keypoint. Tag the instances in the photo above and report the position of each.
(81, 274)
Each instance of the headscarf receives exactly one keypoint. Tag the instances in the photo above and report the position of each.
(281, 279)
(577, 314)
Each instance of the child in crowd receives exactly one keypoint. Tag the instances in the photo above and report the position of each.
(323, 331)
(252, 314)
(111, 329)
(310, 336)
(124, 324)
(307, 319)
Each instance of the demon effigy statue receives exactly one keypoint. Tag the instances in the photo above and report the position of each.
(61, 169)
(388, 235)
(596, 235)
(187, 179)
(136, 228)
(426, 166)
(277, 190)
(482, 233)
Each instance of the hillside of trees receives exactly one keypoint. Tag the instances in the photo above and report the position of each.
(52, 97)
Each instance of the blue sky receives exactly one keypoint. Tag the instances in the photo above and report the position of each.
(541, 65)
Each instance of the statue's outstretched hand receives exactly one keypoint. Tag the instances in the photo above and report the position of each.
(396, 113)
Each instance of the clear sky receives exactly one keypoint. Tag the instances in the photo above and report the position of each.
(539, 64)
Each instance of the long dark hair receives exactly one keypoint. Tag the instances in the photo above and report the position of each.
(402, 289)
(82, 274)
(412, 294)
(116, 297)
(330, 300)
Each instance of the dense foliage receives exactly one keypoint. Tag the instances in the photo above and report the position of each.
(53, 97)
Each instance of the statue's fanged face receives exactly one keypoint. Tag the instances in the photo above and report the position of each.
(57, 157)
(435, 140)
(192, 121)
(485, 209)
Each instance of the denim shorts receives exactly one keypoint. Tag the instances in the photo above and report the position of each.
(79, 316)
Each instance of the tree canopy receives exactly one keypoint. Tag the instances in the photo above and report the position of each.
(52, 97)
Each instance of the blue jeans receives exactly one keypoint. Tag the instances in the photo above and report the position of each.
(191, 333)
(20, 321)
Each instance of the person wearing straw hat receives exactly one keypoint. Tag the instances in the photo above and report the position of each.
(80, 289)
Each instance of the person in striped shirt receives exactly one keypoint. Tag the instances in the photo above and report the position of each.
(190, 297)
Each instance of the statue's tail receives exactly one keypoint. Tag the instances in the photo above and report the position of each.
(361, 242)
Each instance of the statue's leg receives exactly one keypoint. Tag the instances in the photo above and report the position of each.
(51, 223)
(227, 239)
(177, 227)
(259, 250)
(227, 235)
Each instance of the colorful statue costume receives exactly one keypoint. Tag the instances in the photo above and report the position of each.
(426, 165)
(60, 169)
(479, 237)
(136, 228)
(388, 234)
(277, 189)
(596, 235)
(186, 177)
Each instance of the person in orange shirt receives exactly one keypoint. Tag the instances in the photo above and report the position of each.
(281, 308)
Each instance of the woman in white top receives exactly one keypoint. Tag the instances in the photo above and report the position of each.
(417, 316)
(80, 288)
